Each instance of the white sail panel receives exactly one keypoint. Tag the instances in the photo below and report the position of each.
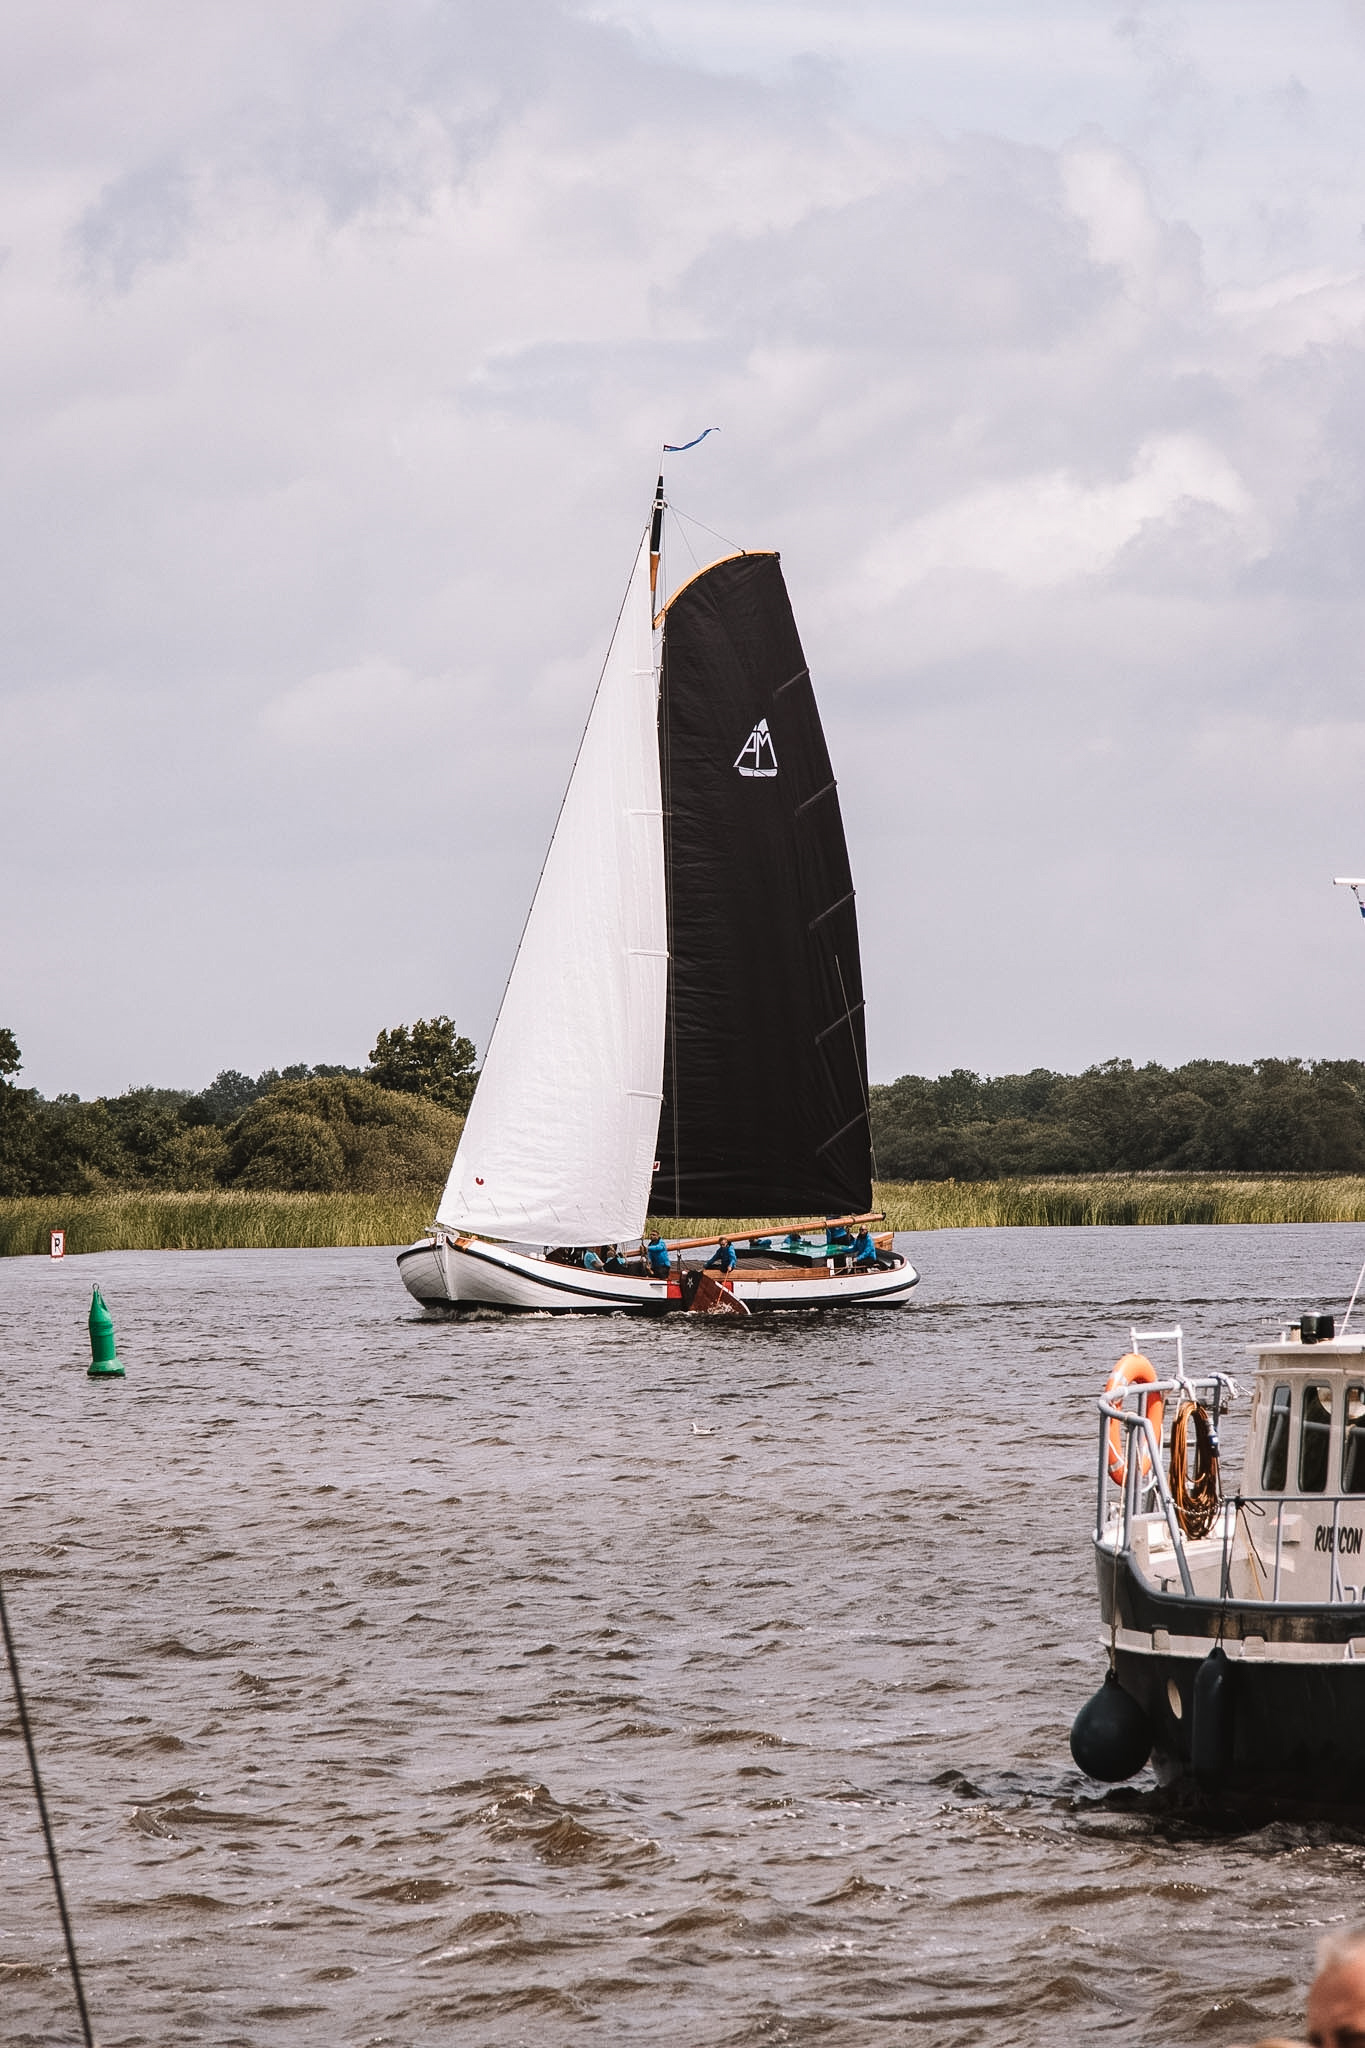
(559, 1144)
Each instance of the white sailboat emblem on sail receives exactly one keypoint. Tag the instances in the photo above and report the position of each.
(757, 756)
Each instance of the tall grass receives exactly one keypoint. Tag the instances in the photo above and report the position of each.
(220, 1221)
(228, 1221)
(1094, 1199)
(1123, 1198)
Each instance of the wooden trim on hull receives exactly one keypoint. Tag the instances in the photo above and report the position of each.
(477, 1274)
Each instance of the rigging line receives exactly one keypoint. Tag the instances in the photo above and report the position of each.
(12, 1658)
(858, 1068)
(690, 549)
(1360, 1276)
(838, 1023)
(706, 529)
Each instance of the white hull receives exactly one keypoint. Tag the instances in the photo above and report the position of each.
(481, 1274)
(478, 1273)
(878, 1286)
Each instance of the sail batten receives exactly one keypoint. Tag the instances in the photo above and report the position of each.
(559, 1144)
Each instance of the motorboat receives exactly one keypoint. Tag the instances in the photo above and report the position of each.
(1234, 1623)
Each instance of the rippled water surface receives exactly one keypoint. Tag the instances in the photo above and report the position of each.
(413, 1682)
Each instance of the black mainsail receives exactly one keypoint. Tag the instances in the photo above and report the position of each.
(765, 1059)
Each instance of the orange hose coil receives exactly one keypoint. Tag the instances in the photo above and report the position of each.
(1133, 1370)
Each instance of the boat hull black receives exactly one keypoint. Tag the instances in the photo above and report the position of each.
(1295, 1740)
(1290, 1733)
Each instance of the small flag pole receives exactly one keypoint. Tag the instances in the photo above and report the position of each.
(1355, 883)
(656, 525)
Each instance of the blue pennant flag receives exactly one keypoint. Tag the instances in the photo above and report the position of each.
(683, 447)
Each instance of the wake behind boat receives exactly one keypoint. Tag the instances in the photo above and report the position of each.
(683, 1027)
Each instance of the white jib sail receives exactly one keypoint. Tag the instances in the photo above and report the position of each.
(559, 1144)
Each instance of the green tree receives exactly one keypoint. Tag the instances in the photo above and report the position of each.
(78, 1150)
(19, 1124)
(428, 1058)
(287, 1149)
(338, 1131)
(225, 1098)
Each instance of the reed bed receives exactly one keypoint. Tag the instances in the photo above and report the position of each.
(226, 1221)
(1068, 1200)
(209, 1222)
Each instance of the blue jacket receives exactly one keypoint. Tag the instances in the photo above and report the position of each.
(656, 1251)
(724, 1257)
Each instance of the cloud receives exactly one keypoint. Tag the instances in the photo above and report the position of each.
(1046, 530)
(337, 349)
(373, 705)
(143, 217)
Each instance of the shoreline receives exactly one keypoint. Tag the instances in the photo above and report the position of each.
(224, 1220)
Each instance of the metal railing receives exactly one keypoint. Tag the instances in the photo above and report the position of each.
(1145, 1493)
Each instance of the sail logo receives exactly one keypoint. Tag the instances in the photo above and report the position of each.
(756, 756)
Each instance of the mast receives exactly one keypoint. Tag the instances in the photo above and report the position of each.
(656, 541)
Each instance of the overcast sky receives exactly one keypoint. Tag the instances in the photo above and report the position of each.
(336, 345)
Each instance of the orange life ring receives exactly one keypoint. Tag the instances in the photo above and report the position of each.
(1133, 1370)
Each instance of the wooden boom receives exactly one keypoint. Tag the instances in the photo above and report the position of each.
(687, 1244)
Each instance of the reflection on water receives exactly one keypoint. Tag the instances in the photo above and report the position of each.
(410, 1682)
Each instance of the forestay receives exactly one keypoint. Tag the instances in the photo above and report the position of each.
(559, 1144)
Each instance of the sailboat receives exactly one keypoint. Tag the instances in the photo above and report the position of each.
(682, 1033)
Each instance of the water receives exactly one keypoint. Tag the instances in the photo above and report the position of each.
(702, 1684)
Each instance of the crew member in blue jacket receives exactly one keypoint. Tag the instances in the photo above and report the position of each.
(723, 1257)
(656, 1251)
(864, 1250)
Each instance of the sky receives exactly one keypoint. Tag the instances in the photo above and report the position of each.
(337, 343)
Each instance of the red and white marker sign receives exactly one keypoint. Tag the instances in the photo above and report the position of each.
(58, 1245)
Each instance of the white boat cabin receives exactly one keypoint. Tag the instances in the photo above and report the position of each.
(1291, 1531)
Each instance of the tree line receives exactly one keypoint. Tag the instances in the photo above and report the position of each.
(1271, 1116)
(393, 1124)
(387, 1127)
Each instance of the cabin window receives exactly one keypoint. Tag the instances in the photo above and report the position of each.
(1353, 1442)
(1275, 1464)
(1315, 1430)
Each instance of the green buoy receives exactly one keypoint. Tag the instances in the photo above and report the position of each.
(105, 1363)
